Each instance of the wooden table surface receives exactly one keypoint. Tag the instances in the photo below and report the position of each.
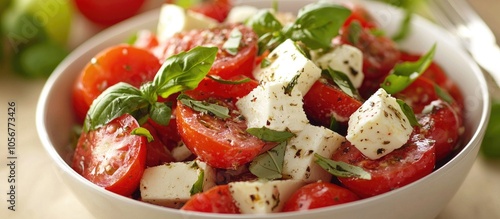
(40, 194)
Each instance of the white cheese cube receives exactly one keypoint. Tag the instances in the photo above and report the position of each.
(174, 19)
(346, 59)
(287, 63)
(299, 155)
(241, 13)
(170, 184)
(379, 126)
(181, 152)
(262, 197)
(269, 106)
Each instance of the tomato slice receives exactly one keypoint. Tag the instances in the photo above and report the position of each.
(419, 94)
(443, 125)
(108, 12)
(318, 195)
(361, 15)
(324, 100)
(402, 166)
(216, 9)
(215, 200)
(121, 63)
(227, 90)
(111, 157)
(226, 65)
(221, 143)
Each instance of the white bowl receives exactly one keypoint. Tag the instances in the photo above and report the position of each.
(422, 199)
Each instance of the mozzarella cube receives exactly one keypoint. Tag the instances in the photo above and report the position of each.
(379, 126)
(241, 13)
(346, 59)
(299, 155)
(262, 197)
(174, 19)
(181, 152)
(288, 63)
(170, 184)
(269, 106)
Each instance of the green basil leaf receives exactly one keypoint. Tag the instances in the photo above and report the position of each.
(289, 87)
(405, 73)
(408, 111)
(341, 169)
(198, 185)
(355, 30)
(264, 22)
(344, 83)
(184, 71)
(334, 124)
(317, 24)
(115, 101)
(222, 81)
(232, 44)
(204, 107)
(443, 94)
(143, 132)
(269, 41)
(267, 134)
(269, 165)
(160, 113)
(405, 27)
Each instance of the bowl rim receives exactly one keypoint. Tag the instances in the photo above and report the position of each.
(151, 16)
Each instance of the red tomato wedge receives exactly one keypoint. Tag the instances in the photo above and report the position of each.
(216, 9)
(402, 166)
(361, 15)
(419, 94)
(443, 125)
(226, 65)
(318, 195)
(221, 143)
(324, 100)
(121, 63)
(111, 157)
(215, 200)
(225, 90)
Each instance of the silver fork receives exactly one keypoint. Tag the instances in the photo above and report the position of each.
(458, 17)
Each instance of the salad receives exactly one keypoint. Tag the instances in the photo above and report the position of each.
(262, 111)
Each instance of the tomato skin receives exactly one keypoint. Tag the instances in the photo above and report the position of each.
(361, 15)
(225, 65)
(112, 146)
(158, 152)
(108, 12)
(318, 195)
(442, 125)
(418, 94)
(402, 166)
(220, 143)
(323, 100)
(235, 91)
(216, 9)
(121, 63)
(215, 200)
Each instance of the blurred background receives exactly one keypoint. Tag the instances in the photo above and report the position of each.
(36, 35)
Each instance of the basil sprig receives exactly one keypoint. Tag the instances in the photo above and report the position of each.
(343, 81)
(341, 169)
(316, 25)
(269, 165)
(180, 72)
(403, 74)
(204, 107)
